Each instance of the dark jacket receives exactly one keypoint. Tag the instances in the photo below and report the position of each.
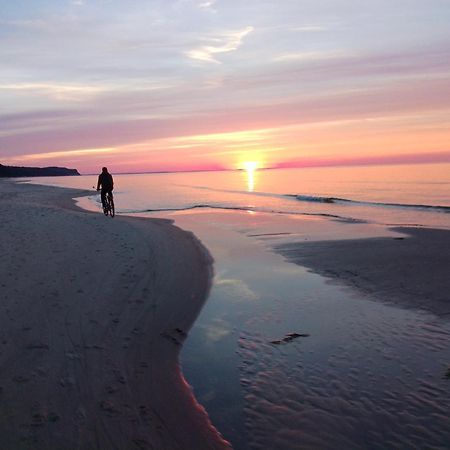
(105, 180)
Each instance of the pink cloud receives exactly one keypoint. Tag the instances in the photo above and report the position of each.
(422, 158)
(413, 97)
(358, 69)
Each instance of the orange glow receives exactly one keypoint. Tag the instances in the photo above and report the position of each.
(378, 140)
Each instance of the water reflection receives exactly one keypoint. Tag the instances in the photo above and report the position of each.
(235, 288)
(250, 170)
(362, 363)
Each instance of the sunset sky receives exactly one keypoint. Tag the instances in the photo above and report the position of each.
(196, 84)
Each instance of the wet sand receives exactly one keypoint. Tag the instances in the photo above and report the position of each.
(410, 271)
(93, 315)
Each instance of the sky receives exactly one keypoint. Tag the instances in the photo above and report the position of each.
(161, 85)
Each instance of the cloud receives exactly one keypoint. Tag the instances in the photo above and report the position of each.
(386, 159)
(308, 29)
(314, 56)
(225, 43)
(37, 24)
(58, 91)
(70, 153)
(207, 4)
(320, 71)
(97, 128)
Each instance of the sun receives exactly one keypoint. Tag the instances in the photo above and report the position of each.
(250, 166)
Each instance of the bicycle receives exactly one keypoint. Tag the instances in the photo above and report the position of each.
(108, 208)
(109, 205)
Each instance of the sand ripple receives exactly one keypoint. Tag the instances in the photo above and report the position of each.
(383, 389)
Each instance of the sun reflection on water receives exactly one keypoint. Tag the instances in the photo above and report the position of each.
(250, 168)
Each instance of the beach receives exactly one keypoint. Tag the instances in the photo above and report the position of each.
(307, 337)
(94, 312)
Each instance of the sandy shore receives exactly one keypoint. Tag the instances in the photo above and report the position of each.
(411, 271)
(93, 314)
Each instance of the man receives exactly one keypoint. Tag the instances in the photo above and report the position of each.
(105, 180)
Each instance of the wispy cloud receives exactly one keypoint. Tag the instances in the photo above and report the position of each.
(227, 42)
(101, 130)
(66, 154)
(58, 90)
(386, 159)
(207, 4)
(314, 56)
(25, 23)
(308, 29)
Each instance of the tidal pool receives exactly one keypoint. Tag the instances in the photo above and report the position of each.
(361, 374)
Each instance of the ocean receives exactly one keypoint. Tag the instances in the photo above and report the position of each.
(417, 195)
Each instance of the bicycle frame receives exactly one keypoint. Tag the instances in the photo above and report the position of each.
(109, 205)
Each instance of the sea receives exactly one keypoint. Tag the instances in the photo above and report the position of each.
(417, 195)
(362, 373)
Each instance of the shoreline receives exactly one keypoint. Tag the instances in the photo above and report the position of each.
(95, 311)
(409, 271)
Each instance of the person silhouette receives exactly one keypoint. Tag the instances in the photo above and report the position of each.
(106, 183)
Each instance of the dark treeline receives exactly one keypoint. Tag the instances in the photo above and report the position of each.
(13, 171)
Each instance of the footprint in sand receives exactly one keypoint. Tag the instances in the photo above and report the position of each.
(142, 444)
(37, 346)
(20, 379)
(109, 407)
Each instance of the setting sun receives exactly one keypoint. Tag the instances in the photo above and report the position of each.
(251, 166)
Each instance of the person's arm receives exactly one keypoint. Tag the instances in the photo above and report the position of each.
(99, 182)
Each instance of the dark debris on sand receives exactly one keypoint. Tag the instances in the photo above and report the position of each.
(289, 338)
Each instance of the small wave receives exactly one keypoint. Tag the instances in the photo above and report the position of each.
(325, 199)
(315, 198)
(319, 199)
(187, 208)
(248, 209)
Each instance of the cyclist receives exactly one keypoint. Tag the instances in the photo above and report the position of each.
(105, 180)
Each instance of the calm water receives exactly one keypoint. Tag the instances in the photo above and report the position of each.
(368, 375)
(421, 193)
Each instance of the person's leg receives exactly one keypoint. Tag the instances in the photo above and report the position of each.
(103, 197)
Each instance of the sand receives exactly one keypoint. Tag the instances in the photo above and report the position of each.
(93, 314)
(411, 271)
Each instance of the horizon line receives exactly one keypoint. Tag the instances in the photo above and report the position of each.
(303, 165)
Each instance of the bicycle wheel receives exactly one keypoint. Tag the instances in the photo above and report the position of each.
(112, 211)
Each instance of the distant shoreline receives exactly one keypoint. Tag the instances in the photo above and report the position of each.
(19, 171)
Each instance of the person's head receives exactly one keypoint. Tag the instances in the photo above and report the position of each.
(104, 169)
